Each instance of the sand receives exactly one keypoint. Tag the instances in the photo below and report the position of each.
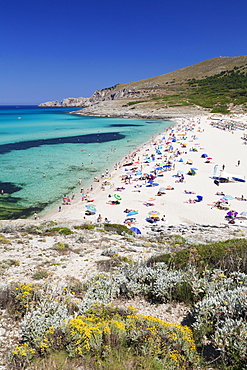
(225, 147)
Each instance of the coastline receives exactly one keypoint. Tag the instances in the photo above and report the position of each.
(174, 204)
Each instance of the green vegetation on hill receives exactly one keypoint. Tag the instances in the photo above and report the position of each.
(217, 84)
(217, 93)
(220, 90)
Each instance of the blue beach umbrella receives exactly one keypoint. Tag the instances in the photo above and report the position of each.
(227, 197)
(136, 230)
(91, 209)
(132, 213)
(162, 189)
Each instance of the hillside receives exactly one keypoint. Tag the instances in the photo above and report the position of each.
(200, 70)
(182, 88)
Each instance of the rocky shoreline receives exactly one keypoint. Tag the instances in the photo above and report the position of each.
(118, 109)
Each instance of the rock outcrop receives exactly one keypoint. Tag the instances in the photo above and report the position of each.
(54, 103)
(75, 102)
(110, 93)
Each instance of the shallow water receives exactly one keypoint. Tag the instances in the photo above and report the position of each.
(43, 149)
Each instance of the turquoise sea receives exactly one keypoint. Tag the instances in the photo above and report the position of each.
(42, 151)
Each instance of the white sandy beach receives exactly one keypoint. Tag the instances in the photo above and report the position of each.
(225, 147)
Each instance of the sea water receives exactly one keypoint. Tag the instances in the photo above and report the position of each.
(46, 151)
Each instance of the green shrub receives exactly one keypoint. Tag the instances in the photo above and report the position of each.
(230, 255)
(40, 274)
(60, 246)
(88, 227)
(60, 230)
(119, 229)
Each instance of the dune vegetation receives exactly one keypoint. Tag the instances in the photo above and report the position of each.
(76, 324)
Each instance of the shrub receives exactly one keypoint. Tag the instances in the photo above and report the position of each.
(88, 227)
(143, 335)
(61, 247)
(221, 318)
(230, 255)
(40, 274)
(119, 229)
(24, 298)
(60, 230)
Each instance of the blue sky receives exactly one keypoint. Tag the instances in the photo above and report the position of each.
(53, 49)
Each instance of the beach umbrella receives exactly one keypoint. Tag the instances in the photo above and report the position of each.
(155, 184)
(204, 155)
(227, 197)
(232, 213)
(181, 160)
(194, 169)
(192, 172)
(243, 214)
(136, 230)
(179, 171)
(159, 168)
(154, 213)
(150, 181)
(162, 189)
(91, 209)
(132, 213)
(131, 219)
(117, 197)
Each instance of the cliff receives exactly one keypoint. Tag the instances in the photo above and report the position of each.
(110, 93)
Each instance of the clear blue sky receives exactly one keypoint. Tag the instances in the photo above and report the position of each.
(53, 49)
